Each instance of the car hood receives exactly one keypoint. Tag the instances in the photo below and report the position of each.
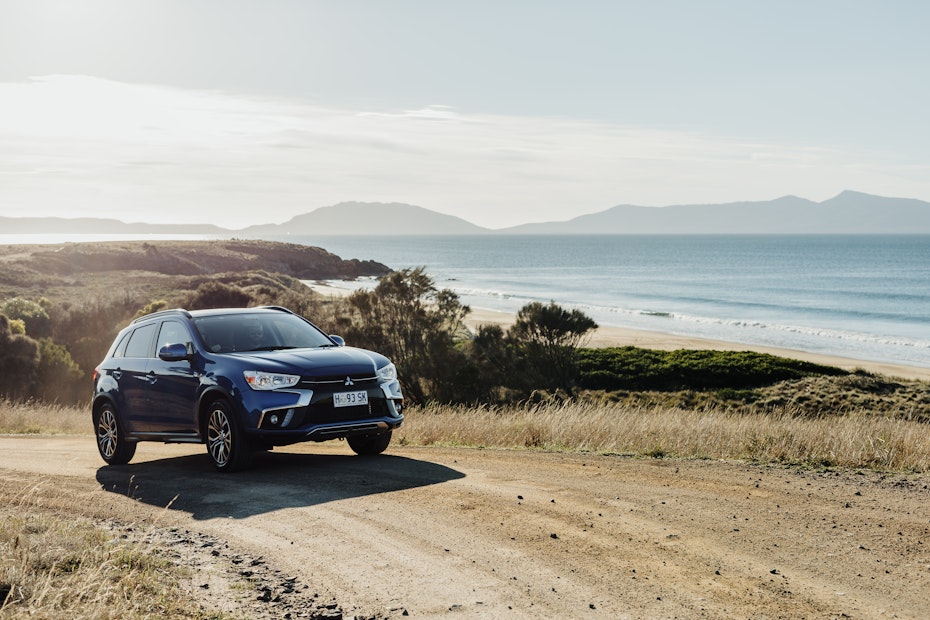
(323, 362)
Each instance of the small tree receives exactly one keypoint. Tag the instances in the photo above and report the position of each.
(152, 307)
(495, 361)
(408, 319)
(548, 337)
(19, 358)
(215, 294)
(58, 377)
(33, 314)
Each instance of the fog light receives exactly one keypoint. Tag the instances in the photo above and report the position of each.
(273, 419)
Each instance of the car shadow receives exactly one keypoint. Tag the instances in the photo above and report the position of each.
(276, 480)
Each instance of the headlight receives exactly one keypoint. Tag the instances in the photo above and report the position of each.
(259, 380)
(387, 373)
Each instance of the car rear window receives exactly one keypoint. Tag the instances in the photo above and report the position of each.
(140, 342)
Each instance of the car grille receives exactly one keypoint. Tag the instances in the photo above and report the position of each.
(336, 381)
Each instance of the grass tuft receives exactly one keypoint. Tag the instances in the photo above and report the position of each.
(52, 566)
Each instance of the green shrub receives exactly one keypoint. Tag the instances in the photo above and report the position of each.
(33, 314)
(632, 368)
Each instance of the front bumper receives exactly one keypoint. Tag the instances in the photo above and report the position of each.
(307, 415)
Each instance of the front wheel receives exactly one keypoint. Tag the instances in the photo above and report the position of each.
(226, 444)
(112, 444)
(369, 445)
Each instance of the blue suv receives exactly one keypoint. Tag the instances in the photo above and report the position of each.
(240, 380)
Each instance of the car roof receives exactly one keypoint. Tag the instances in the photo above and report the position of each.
(217, 311)
(210, 312)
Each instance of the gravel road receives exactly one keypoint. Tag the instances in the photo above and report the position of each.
(435, 532)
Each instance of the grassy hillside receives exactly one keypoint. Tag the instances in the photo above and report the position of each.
(62, 270)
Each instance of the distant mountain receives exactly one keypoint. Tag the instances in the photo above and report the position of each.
(849, 212)
(99, 226)
(370, 218)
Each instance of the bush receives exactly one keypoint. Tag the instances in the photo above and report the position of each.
(58, 377)
(547, 338)
(632, 368)
(19, 358)
(217, 295)
(33, 314)
(415, 324)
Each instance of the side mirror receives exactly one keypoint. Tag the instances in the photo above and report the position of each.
(338, 340)
(173, 352)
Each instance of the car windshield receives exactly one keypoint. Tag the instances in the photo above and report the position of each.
(261, 331)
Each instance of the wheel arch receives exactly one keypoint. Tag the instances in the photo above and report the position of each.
(209, 397)
(99, 401)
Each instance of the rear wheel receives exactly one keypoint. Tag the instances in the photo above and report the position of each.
(112, 444)
(227, 445)
(369, 445)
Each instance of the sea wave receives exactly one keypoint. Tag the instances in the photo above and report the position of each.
(879, 347)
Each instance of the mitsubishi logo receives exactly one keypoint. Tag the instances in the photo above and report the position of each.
(349, 381)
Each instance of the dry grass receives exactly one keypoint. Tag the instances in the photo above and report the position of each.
(856, 439)
(54, 566)
(893, 441)
(35, 418)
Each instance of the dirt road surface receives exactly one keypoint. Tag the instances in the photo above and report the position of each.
(460, 533)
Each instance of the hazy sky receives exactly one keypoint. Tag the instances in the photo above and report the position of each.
(502, 112)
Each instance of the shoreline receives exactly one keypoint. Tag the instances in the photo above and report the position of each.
(610, 336)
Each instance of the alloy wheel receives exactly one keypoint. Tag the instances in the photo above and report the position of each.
(107, 433)
(219, 437)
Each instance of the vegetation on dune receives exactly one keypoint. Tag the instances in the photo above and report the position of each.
(632, 368)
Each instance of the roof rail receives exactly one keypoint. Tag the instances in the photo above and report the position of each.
(180, 311)
(281, 308)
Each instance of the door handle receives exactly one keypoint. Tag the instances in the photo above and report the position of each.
(151, 378)
(117, 374)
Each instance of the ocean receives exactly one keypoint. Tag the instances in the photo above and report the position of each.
(857, 296)
(863, 297)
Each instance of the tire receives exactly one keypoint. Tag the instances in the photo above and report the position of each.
(226, 443)
(111, 442)
(369, 445)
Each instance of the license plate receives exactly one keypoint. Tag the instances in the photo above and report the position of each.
(350, 399)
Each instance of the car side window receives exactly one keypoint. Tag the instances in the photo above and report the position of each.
(140, 342)
(172, 332)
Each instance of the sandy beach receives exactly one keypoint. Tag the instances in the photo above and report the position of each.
(609, 336)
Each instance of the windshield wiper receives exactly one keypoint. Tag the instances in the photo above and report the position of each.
(272, 348)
